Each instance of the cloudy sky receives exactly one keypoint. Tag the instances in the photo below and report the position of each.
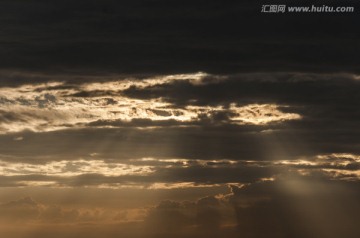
(154, 118)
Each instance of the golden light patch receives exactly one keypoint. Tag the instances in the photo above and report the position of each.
(260, 114)
(50, 106)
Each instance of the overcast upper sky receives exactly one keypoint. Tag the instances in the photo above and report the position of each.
(151, 118)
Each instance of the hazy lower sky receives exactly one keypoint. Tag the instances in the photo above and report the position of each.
(159, 119)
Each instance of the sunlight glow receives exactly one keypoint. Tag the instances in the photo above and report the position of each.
(49, 107)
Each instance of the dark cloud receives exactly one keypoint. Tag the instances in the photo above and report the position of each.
(15, 78)
(272, 209)
(292, 206)
(204, 215)
(23, 209)
(282, 88)
(133, 143)
(177, 36)
(313, 207)
(28, 211)
(214, 175)
(170, 215)
(222, 142)
(209, 213)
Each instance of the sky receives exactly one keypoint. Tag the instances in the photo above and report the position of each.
(184, 119)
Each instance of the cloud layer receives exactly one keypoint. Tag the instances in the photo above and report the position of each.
(178, 119)
(178, 36)
(57, 105)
